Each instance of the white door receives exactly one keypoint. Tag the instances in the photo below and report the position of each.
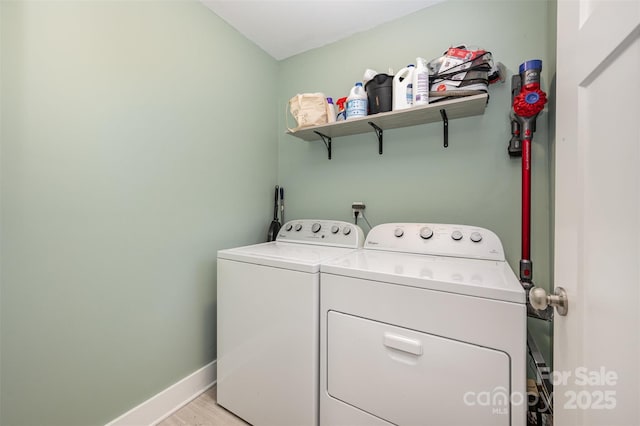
(597, 226)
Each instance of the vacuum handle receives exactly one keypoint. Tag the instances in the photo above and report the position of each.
(282, 204)
(275, 204)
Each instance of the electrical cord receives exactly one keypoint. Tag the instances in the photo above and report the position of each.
(357, 213)
(365, 219)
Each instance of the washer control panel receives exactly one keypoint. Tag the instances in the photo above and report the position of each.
(436, 239)
(322, 232)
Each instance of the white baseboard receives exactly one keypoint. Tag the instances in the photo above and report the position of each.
(160, 406)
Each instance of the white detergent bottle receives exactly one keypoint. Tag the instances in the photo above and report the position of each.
(421, 82)
(331, 111)
(403, 88)
(357, 102)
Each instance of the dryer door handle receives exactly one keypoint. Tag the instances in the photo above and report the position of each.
(402, 343)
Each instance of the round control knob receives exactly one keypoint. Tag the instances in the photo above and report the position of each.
(334, 229)
(346, 230)
(398, 232)
(476, 237)
(456, 235)
(426, 233)
(288, 227)
(315, 227)
(298, 227)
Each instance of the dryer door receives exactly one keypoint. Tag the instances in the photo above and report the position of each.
(409, 378)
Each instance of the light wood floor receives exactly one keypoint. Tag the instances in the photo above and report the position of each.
(203, 411)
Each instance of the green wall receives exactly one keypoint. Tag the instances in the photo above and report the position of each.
(138, 138)
(136, 142)
(416, 180)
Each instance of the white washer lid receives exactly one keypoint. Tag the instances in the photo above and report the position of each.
(489, 279)
(278, 254)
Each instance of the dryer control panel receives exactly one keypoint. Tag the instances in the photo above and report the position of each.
(322, 232)
(436, 239)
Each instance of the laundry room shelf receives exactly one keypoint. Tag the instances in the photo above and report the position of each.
(439, 111)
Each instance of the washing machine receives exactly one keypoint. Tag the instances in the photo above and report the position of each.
(426, 325)
(268, 322)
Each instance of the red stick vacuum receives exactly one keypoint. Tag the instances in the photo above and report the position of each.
(526, 106)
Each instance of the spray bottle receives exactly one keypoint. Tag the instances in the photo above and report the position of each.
(342, 113)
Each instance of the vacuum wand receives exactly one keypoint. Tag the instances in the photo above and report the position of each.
(526, 266)
(526, 106)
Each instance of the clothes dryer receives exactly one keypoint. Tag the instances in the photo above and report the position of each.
(268, 322)
(426, 325)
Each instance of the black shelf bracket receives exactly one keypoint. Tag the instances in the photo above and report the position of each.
(378, 131)
(445, 127)
(327, 142)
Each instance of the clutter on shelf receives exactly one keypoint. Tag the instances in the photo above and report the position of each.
(357, 102)
(463, 71)
(460, 71)
(403, 88)
(309, 109)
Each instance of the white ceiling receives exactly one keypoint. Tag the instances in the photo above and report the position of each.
(285, 28)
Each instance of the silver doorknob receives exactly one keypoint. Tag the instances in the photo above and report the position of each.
(539, 299)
